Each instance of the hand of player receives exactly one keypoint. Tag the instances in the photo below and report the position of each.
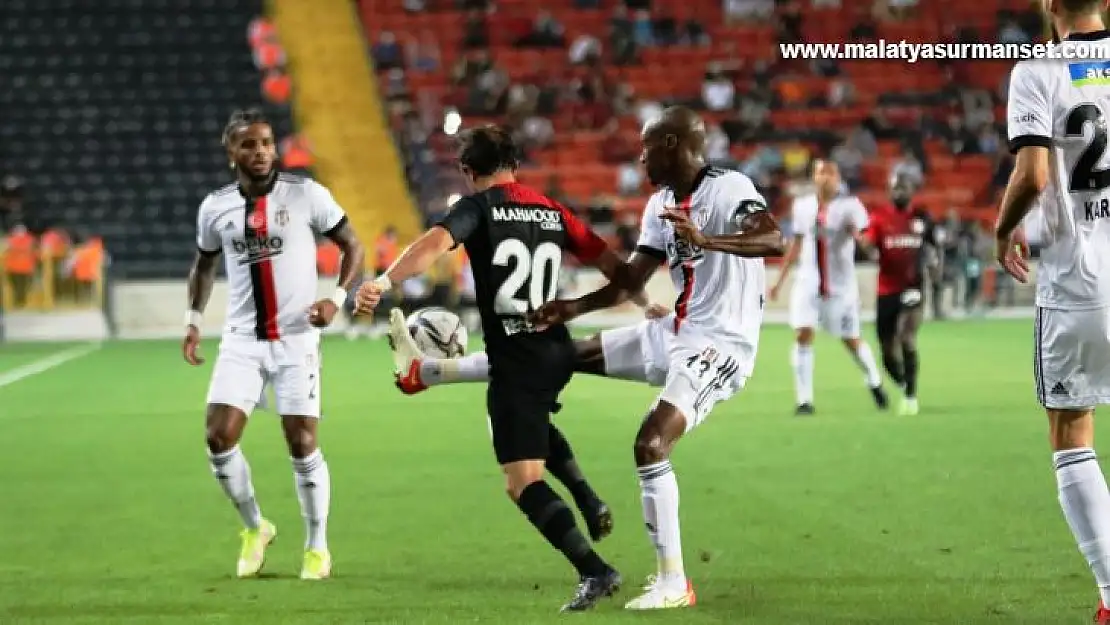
(656, 311)
(322, 312)
(684, 228)
(553, 313)
(773, 294)
(368, 297)
(1013, 254)
(190, 347)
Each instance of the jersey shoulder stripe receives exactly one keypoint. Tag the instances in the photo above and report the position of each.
(289, 178)
(224, 190)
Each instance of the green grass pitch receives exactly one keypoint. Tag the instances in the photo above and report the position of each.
(108, 513)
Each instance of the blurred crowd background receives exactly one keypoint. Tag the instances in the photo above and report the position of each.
(105, 155)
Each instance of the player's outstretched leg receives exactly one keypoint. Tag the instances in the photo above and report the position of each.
(658, 434)
(801, 358)
(224, 427)
(562, 464)
(1083, 493)
(555, 521)
(414, 372)
(865, 360)
(313, 483)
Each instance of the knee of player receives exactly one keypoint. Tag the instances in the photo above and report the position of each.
(650, 447)
(804, 336)
(220, 437)
(1071, 429)
(909, 343)
(301, 441)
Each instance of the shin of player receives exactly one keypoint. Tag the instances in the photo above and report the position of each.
(825, 291)
(265, 226)
(1051, 111)
(715, 237)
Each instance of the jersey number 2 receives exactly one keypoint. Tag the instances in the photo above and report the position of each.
(1085, 176)
(531, 269)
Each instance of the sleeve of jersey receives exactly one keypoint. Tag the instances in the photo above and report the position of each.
(749, 202)
(1029, 119)
(462, 221)
(652, 242)
(208, 242)
(858, 217)
(585, 244)
(327, 215)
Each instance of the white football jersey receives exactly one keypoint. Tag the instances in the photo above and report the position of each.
(827, 262)
(720, 295)
(1063, 105)
(269, 249)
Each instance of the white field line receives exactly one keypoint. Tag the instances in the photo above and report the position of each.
(45, 364)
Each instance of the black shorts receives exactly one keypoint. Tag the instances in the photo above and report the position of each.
(887, 310)
(521, 397)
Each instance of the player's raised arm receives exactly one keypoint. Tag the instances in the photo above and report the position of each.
(1030, 139)
(202, 277)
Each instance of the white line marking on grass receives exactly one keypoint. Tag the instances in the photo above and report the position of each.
(43, 365)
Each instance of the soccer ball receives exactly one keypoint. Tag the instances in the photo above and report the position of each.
(438, 332)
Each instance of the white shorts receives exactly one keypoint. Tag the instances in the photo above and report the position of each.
(640, 352)
(1071, 363)
(703, 372)
(838, 314)
(245, 367)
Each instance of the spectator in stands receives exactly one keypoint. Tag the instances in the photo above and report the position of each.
(864, 29)
(623, 102)
(546, 32)
(789, 26)
(638, 5)
(11, 203)
(537, 133)
(277, 87)
(748, 10)
(693, 33)
(296, 154)
(908, 164)
(586, 50)
(622, 36)
(825, 4)
(791, 91)
(387, 53)
(261, 30)
(849, 160)
(795, 158)
(718, 93)
(841, 93)
(587, 4)
(629, 179)
(958, 138)
(717, 147)
(268, 55)
(643, 30)
(476, 30)
(1009, 31)
(861, 138)
(423, 53)
(826, 67)
(615, 148)
(414, 6)
(664, 28)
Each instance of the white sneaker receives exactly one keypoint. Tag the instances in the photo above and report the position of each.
(657, 597)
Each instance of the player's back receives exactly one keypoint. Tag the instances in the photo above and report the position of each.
(1063, 106)
(516, 254)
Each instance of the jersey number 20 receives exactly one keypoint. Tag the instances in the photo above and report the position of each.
(1085, 176)
(531, 270)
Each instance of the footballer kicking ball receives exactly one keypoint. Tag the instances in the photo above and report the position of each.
(438, 332)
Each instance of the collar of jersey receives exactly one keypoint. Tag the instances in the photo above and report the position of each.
(702, 173)
(1091, 36)
(266, 191)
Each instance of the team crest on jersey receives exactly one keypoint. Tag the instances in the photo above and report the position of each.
(917, 226)
(282, 216)
(256, 220)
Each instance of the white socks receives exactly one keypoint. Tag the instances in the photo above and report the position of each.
(470, 368)
(659, 494)
(314, 492)
(802, 359)
(1086, 503)
(866, 361)
(230, 468)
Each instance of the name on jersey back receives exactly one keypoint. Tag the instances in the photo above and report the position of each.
(547, 219)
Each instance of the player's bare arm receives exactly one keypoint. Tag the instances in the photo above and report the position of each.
(629, 281)
(350, 269)
(202, 276)
(1029, 178)
(415, 260)
(759, 235)
(789, 258)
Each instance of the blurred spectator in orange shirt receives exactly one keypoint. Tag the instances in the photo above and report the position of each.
(276, 86)
(296, 154)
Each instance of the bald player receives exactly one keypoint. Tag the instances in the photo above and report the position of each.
(712, 229)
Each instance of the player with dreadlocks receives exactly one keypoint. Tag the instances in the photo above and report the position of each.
(264, 224)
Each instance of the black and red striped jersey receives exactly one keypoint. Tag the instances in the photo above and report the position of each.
(269, 249)
(515, 238)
